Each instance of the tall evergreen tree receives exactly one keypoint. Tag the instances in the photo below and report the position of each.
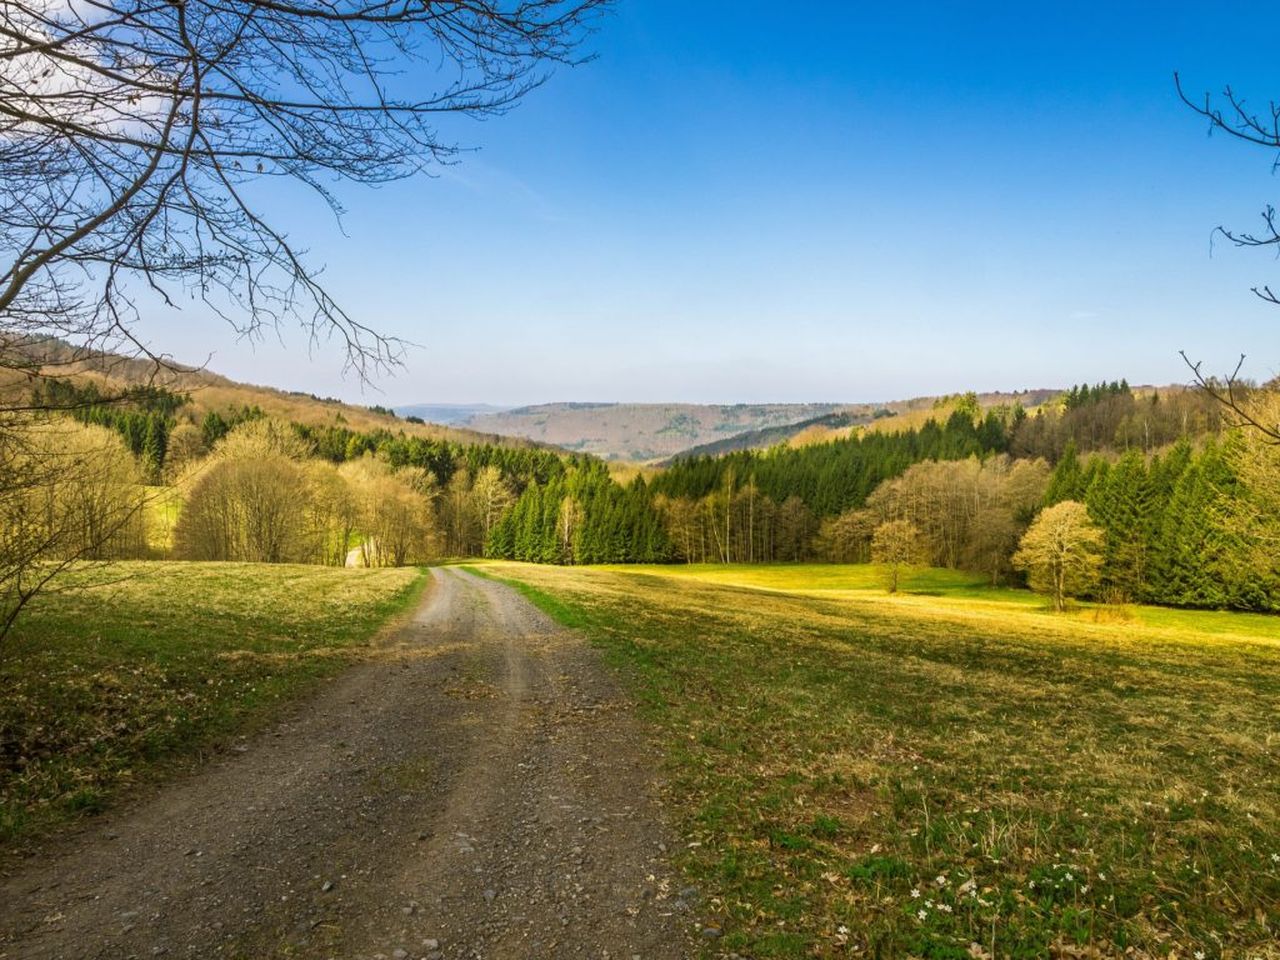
(1065, 482)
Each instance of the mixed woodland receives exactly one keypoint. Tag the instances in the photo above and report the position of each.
(1174, 502)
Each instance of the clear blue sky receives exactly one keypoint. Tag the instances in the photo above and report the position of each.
(817, 201)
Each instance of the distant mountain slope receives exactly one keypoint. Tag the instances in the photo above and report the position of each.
(212, 392)
(642, 431)
(770, 436)
(892, 416)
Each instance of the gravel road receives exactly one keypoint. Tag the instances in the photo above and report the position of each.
(479, 789)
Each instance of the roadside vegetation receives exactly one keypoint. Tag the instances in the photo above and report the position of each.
(109, 682)
(955, 770)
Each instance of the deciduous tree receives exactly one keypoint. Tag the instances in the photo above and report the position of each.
(133, 135)
(1061, 552)
(897, 546)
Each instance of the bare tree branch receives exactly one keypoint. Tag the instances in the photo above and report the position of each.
(1233, 394)
(130, 129)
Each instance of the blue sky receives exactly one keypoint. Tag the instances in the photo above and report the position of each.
(816, 201)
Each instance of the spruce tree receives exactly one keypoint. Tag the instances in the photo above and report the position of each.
(1065, 484)
(1125, 513)
(154, 442)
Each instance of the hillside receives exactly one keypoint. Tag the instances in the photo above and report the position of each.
(890, 416)
(827, 426)
(641, 431)
(210, 391)
(658, 432)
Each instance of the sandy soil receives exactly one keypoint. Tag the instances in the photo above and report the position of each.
(480, 789)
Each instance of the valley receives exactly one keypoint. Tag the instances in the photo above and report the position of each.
(540, 479)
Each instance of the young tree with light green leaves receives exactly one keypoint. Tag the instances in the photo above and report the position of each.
(1061, 553)
(897, 546)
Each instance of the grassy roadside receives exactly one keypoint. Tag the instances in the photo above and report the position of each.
(108, 686)
(955, 773)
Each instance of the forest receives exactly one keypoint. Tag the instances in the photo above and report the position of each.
(1167, 487)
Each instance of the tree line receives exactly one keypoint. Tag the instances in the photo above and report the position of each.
(1171, 523)
(582, 516)
(1175, 523)
(143, 416)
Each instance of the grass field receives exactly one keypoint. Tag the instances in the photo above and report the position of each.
(162, 508)
(106, 685)
(954, 772)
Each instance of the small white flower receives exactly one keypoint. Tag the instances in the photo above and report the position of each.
(921, 914)
(842, 930)
(1275, 858)
(944, 907)
(941, 880)
(1199, 955)
(915, 893)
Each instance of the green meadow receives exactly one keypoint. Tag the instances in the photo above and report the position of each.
(953, 771)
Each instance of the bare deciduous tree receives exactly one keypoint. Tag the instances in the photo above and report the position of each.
(132, 133)
(136, 136)
(68, 493)
(1232, 115)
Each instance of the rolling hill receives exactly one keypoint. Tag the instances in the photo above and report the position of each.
(655, 433)
(210, 391)
(641, 431)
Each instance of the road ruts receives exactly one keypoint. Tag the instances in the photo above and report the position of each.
(478, 789)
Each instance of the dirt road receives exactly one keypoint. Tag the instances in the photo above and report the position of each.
(481, 791)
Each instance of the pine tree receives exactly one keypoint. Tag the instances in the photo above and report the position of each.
(1125, 512)
(548, 540)
(1065, 483)
(154, 443)
(1203, 564)
(1186, 539)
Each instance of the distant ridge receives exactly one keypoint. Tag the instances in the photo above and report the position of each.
(657, 433)
(448, 414)
(770, 436)
(641, 432)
